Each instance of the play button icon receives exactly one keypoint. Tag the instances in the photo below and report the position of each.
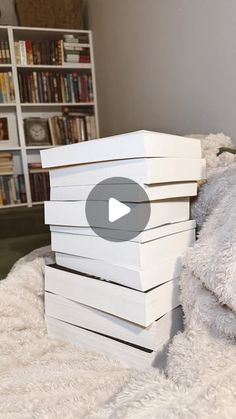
(117, 209)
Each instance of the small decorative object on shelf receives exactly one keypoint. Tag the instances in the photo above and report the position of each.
(47, 99)
(36, 132)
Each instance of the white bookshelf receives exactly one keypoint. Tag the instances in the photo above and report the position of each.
(25, 154)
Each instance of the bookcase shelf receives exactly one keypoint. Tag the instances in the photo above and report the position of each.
(14, 205)
(28, 154)
(10, 149)
(35, 147)
(5, 105)
(65, 66)
(76, 104)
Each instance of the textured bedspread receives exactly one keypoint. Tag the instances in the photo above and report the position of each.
(45, 378)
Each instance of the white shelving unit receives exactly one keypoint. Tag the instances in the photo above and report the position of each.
(24, 153)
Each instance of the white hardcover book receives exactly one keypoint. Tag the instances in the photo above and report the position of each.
(132, 145)
(124, 253)
(154, 192)
(142, 237)
(150, 337)
(138, 307)
(142, 171)
(131, 356)
(73, 213)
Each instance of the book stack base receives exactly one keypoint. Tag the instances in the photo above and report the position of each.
(116, 296)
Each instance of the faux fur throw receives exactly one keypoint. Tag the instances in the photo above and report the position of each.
(45, 378)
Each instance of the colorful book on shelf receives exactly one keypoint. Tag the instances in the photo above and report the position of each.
(7, 94)
(12, 190)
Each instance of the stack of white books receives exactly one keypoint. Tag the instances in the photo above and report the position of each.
(111, 295)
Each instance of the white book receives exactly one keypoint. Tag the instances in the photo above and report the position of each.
(154, 192)
(142, 171)
(150, 337)
(131, 356)
(73, 213)
(139, 279)
(23, 53)
(126, 146)
(142, 237)
(124, 253)
(138, 307)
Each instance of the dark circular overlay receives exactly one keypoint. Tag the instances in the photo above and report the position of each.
(127, 192)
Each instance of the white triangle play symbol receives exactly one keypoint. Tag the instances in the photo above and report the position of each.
(117, 210)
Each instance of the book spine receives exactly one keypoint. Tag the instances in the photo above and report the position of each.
(59, 49)
(22, 190)
(1, 192)
(4, 58)
(32, 88)
(34, 52)
(1, 57)
(29, 52)
(20, 87)
(40, 87)
(4, 87)
(8, 99)
(17, 53)
(36, 89)
(45, 95)
(8, 56)
(6, 190)
(23, 54)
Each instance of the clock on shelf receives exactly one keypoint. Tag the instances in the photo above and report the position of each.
(37, 132)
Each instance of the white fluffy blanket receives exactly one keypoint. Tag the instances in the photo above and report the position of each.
(45, 378)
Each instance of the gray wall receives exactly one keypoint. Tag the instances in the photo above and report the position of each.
(8, 14)
(167, 65)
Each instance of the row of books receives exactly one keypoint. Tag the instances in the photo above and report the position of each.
(72, 129)
(51, 52)
(38, 52)
(74, 52)
(73, 49)
(39, 182)
(114, 287)
(12, 189)
(81, 38)
(5, 57)
(54, 87)
(7, 93)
